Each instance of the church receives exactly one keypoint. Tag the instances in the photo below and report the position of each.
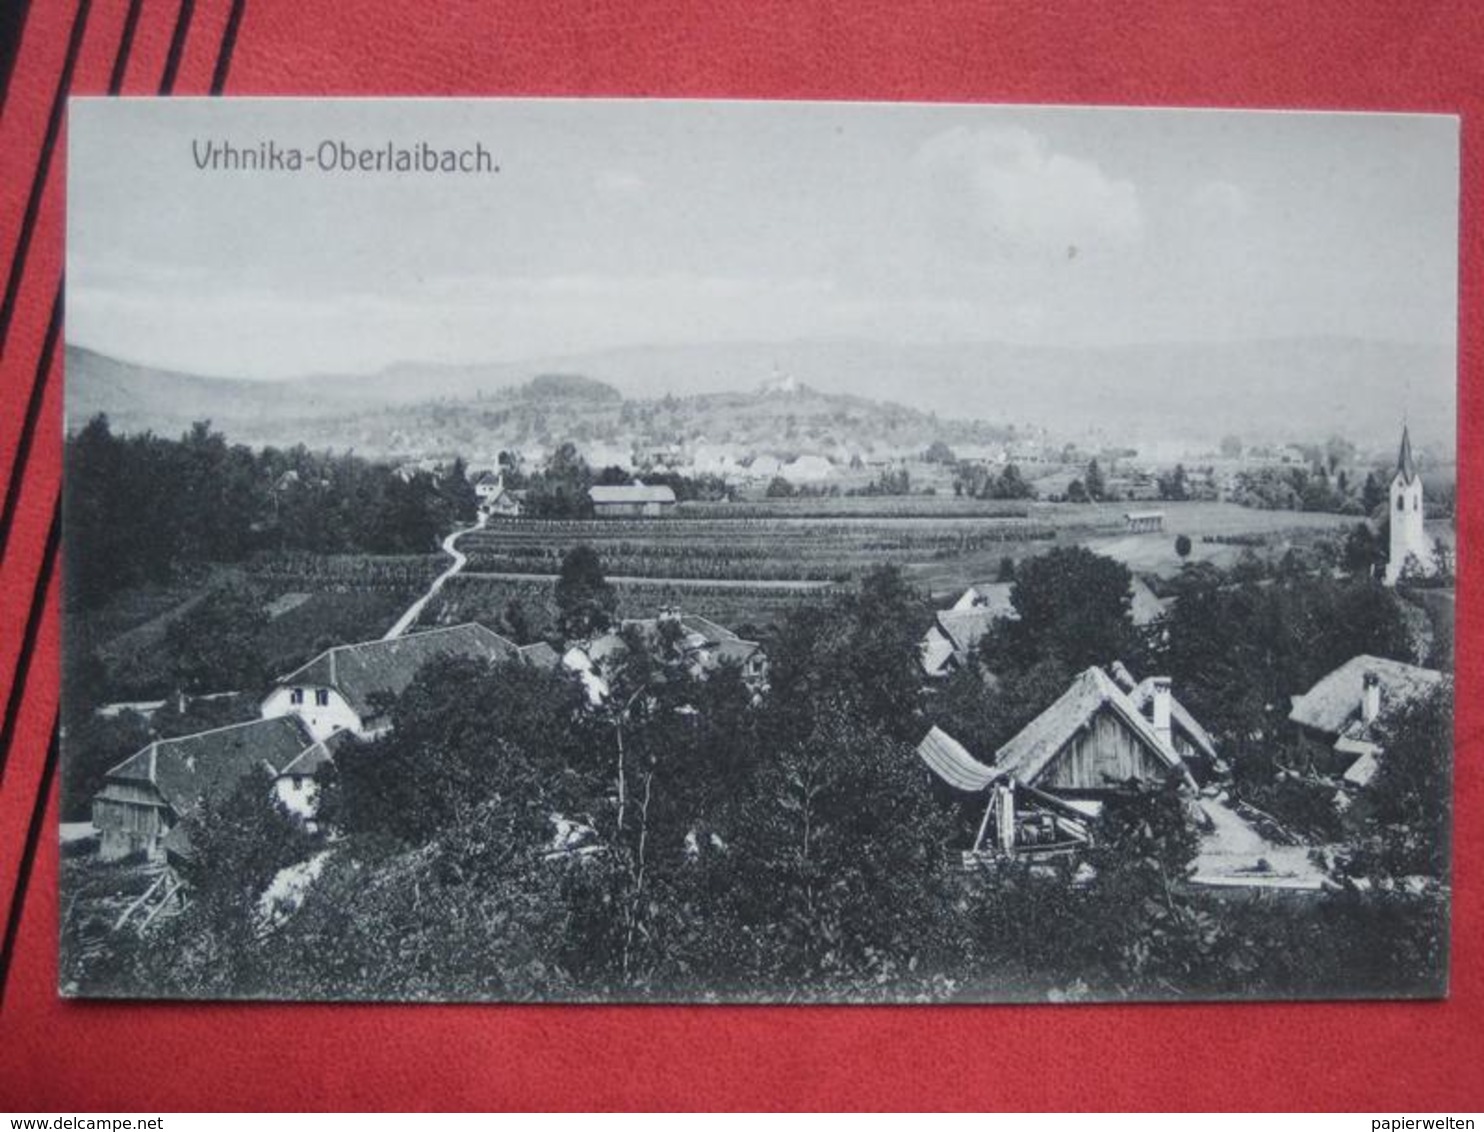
(1408, 536)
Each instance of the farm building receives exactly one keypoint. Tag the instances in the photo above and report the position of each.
(342, 688)
(627, 500)
(1143, 521)
(146, 795)
(956, 632)
(1050, 779)
(1341, 719)
(701, 645)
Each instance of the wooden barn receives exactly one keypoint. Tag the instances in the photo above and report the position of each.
(146, 795)
(632, 500)
(1048, 782)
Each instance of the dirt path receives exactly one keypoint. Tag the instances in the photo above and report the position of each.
(460, 559)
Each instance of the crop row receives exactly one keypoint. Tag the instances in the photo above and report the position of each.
(777, 546)
(488, 600)
(306, 571)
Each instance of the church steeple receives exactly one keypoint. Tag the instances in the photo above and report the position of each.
(1405, 466)
(1409, 541)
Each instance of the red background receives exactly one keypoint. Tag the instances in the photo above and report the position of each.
(67, 1056)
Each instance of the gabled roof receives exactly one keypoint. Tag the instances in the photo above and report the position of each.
(632, 493)
(963, 626)
(209, 764)
(361, 671)
(1406, 467)
(948, 759)
(315, 757)
(737, 650)
(541, 655)
(1333, 704)
(1144, 607)
(937, 651)
(1032, 750)
(707, 627)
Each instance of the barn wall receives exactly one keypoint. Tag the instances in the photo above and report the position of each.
(1100, 757)
(127, 827)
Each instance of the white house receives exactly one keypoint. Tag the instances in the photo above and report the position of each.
(342, 688)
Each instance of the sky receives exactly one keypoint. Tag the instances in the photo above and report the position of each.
(624, 223)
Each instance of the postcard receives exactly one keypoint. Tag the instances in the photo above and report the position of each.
(585, 550)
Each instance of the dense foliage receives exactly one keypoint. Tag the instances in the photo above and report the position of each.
(142, 508)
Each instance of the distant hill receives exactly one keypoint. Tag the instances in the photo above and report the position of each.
(812, 396)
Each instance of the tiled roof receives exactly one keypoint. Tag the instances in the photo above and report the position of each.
(632, 493)
(541, 655)
(359, 672)
(209, 764)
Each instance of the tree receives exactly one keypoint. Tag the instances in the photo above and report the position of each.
(938, 452)
(1076, 492)
(459, 500)
(1096, 486)
(1408, 800)
(1009, 484)
(215, 647)
(463, 733)
(1074, 605)
(1182, 546)
(780, 488)
(585, 600)
(1174, 486)
(1372, 494)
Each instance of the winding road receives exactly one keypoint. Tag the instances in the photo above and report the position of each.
(460, 559)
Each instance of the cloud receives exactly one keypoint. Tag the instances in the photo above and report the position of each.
(1005, 189)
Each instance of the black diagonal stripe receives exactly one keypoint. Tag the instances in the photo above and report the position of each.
(229, 44)
(12, 27)
(28, 424)
(20, 677)
(126, 45)
(28, 862)
(43, 168)
(177, 45)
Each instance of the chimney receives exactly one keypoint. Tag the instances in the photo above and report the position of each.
(1161, 705)
(1370, 698)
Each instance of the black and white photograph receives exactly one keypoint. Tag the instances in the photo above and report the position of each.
(702, 552)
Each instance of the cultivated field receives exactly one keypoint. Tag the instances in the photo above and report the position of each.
(943, 544)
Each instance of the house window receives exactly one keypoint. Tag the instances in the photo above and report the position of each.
(296, 695)
(322, 697)
(1401, 503)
